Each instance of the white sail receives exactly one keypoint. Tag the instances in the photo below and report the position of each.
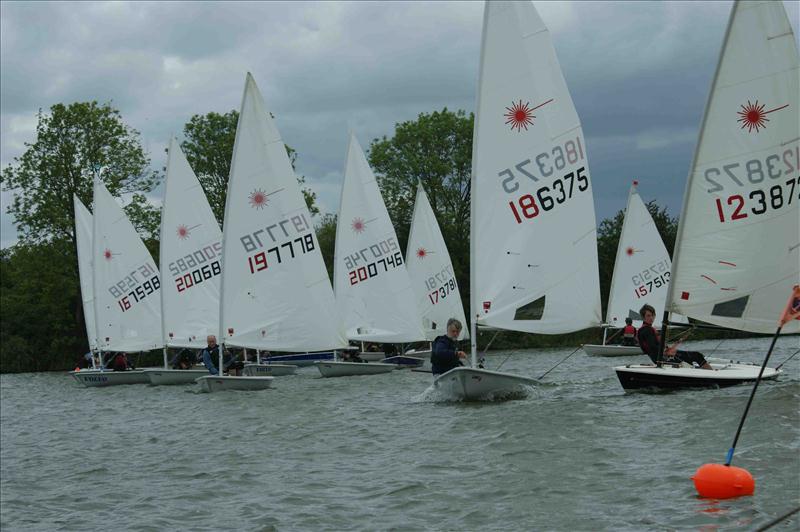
(127, 287)
(533, 232)
(431, 271)
(83, 236)
(191, 257)
(373, 289)
(275, 291)
(737, 253)
(641, 269)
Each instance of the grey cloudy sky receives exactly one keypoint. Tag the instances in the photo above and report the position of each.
(639, 74)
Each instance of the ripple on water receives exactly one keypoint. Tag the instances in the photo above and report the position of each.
(386, 453)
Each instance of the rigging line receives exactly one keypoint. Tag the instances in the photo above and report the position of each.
(489, 344)
(715, 349)
(504, 360)
(788, 359)
(778, 520)
(562, 360)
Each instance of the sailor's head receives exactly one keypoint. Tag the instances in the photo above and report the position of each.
(212, 340)
(628, 321)
(648, 313)
(453, 328)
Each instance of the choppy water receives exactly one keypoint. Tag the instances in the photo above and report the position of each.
(370, 453)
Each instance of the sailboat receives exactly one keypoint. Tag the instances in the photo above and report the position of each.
(533, 253)
(127, 291)
(373, 289)
(275, 293)
(191, 264)
(432, 276)
(83, 236)
(737, 253)
(641, 275)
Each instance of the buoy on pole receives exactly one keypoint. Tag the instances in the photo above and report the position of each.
(724, 481)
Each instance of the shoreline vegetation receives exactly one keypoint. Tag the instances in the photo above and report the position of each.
(41, 315)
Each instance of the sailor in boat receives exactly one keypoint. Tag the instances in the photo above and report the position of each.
(118, 362)
(629, 333)
(351, 355)
(444, 352)
(210, 354)
(650, 342)
(185, 359)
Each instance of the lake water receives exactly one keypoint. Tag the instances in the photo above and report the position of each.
(379, 452)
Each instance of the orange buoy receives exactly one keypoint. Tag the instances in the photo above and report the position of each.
(717, 481)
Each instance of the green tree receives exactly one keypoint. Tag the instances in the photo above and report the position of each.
(435, 149)
(609, 231)
(209, 150)
(74, 143)
(326, 236)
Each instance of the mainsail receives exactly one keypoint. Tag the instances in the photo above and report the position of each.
(737, 254)
(533, 234)
(642, 267)
(275, 291)
(191, 257)
(373, 289)
(431, 271)
(83, 236)
(127, 287)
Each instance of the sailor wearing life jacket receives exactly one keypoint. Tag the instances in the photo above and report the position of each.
(629, 333)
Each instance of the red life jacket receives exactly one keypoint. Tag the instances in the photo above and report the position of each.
(629, 331)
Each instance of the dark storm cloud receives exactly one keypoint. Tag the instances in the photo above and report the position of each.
(639, 73)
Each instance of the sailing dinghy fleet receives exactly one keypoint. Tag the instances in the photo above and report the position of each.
(261, 283)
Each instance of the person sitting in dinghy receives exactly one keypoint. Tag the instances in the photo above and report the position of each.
(185, 359)
(650, 343)
(629, 333)
(444, 353)
(118, 362)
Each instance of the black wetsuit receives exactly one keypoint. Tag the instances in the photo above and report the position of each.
(443, 355)
(650, 344)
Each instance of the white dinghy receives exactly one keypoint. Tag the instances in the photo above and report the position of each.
(373, 289)
(275, 291)
(127, 295)
(349, 369)
(737, 253)
(533, 252)
(191, 265)
(641, 275)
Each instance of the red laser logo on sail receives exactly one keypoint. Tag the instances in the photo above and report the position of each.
(358, 225)
(629, 251)
(753, 116)
(422, 253)
(107, 254)
(257, 199)
(183, 232)
(520, 115)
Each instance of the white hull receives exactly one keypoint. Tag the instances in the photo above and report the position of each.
(473, 384)
(426, 353)
(215, 383)
(610, 350)
(268, 370)
(95, 378)
(372, 356)
(163, 377)
(644, 376)
(346, 369)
